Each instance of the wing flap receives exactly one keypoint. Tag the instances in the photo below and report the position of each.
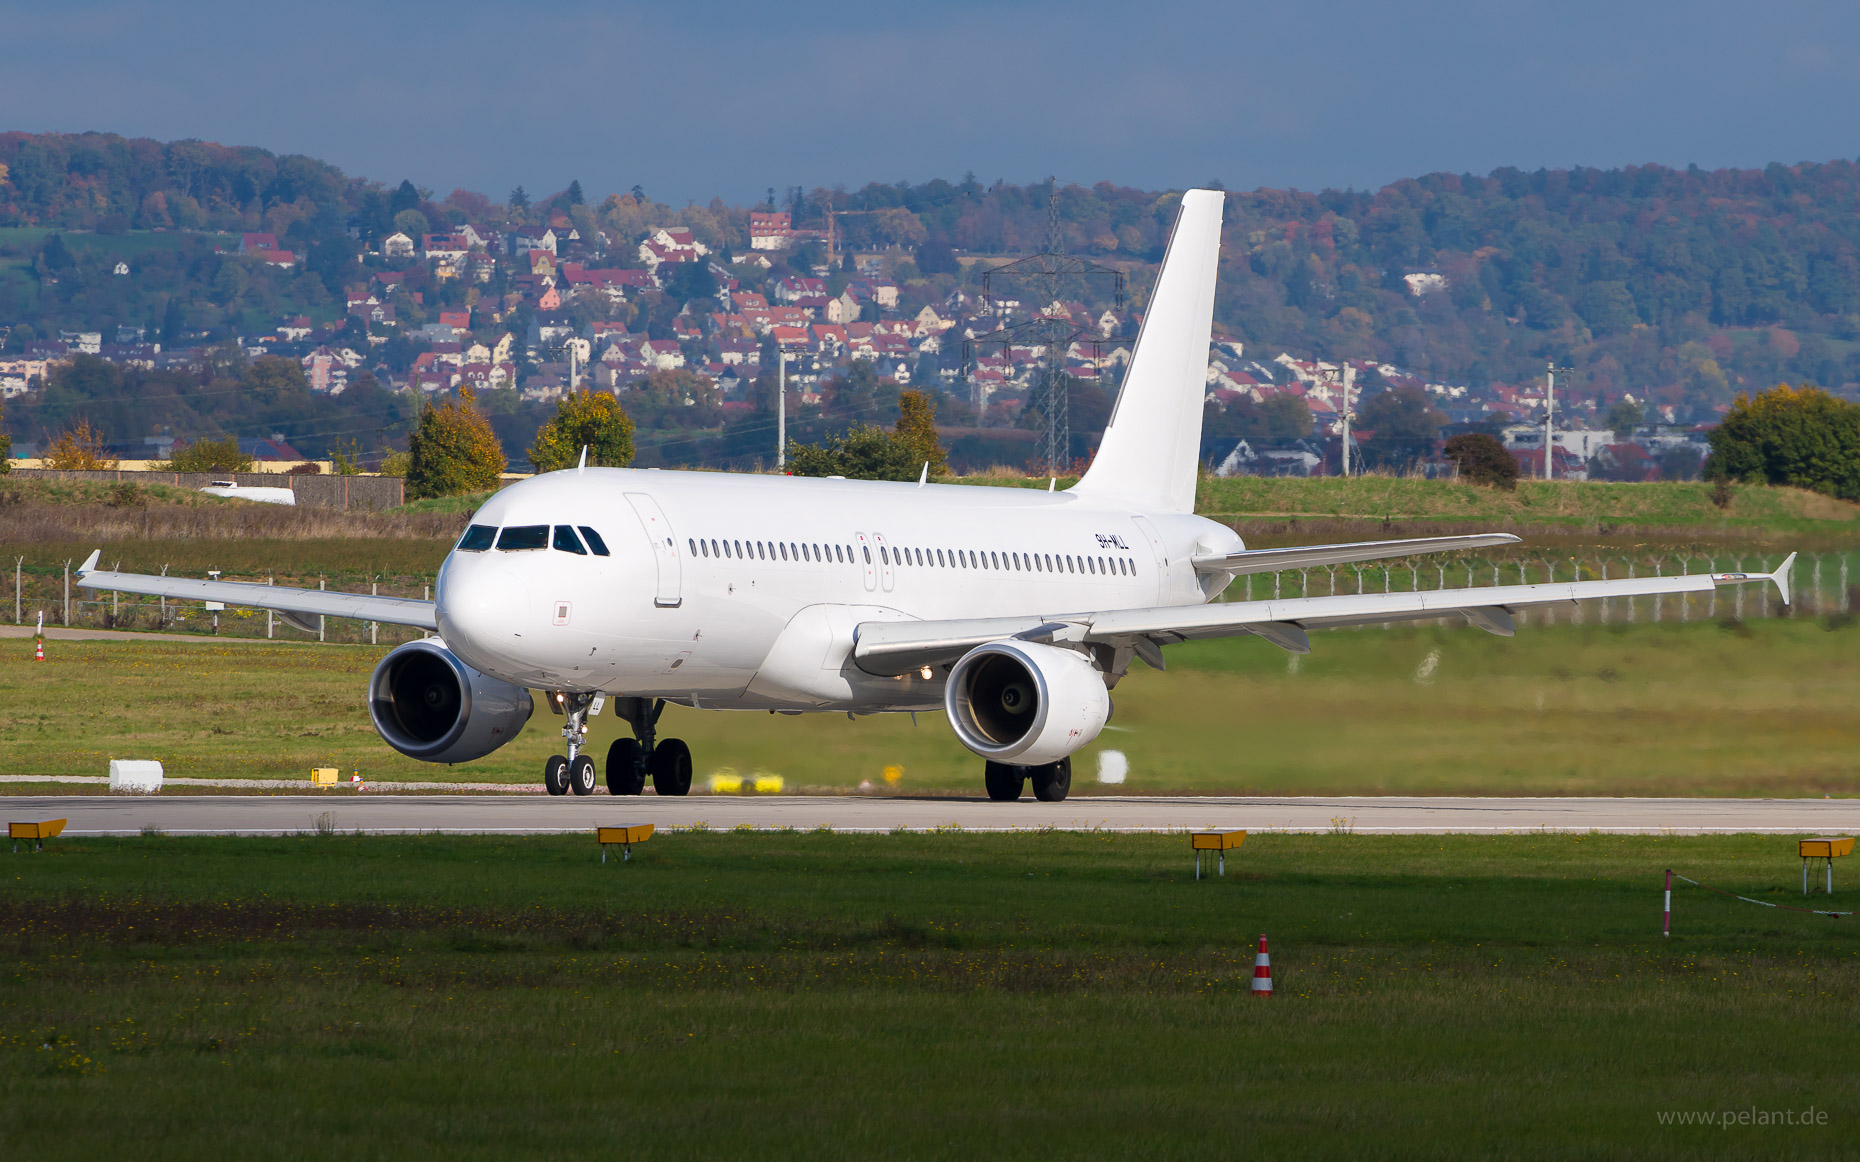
(304, 602)
(1311, 556)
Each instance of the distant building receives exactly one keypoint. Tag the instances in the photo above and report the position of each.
(397, 245)
(1424, 282)
(770, 229)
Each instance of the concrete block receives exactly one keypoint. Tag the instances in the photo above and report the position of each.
(142, 776)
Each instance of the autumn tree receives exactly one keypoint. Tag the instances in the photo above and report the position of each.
(453, 450)
(79, 448)
(591, 419)
(916, 432)
(1798, 436)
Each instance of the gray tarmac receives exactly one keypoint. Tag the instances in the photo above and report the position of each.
(387, 814)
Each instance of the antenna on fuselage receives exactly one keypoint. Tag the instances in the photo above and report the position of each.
(1052, 484)
(582, 467)
(923, 477)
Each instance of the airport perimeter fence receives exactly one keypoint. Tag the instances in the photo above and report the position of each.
(1824, 585)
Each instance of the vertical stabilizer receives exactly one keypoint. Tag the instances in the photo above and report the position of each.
(1152, 447)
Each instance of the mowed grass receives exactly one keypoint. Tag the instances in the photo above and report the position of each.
(1668, 505)
(1759, 708)
(919, 996)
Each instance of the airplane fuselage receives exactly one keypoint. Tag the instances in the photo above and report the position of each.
(733, 591)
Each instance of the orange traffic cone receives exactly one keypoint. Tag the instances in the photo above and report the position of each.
(1262, 970)
(38, 649)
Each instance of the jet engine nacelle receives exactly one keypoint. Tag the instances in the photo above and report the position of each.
(430, 706)
(1025, 703)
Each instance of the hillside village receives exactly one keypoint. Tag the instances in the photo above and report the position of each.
(547, 310)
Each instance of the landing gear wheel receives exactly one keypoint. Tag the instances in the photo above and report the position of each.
(1004, 781)
(671, 767)
(626, 767)
(555, 775)
(581, 776)
(1052, 781)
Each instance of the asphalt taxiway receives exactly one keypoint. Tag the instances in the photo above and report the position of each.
(386, 814)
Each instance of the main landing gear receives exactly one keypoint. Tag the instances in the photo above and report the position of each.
(1051, 781)
(629, 760)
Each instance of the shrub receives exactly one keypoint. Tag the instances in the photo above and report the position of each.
(866, 452)
(1481, 459)
(1798, 436)
(208, 456)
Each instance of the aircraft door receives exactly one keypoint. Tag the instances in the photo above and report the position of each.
(1146, 533)
(885, 576)
(668, 594)
(862, 545)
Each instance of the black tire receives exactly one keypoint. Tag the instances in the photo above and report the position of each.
(626, 767)
(1004, 781)
(582, 778)
(1052, 781)
(671, 767)
(555, 775)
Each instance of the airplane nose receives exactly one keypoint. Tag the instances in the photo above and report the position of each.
(480, 611)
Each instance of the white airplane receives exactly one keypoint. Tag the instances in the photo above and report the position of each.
(1014, 610)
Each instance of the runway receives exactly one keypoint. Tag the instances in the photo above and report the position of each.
(518, 814)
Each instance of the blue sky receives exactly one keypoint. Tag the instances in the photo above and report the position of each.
(691, 100)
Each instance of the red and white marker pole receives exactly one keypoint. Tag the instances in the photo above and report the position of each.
(1667, 928)
(1262, 970)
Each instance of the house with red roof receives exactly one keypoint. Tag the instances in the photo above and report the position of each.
(770, 229)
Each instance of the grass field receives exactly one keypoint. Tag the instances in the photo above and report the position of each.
(921, 996)
(1290, 510)
(1763, 708)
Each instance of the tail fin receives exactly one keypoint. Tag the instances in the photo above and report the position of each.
(1152, 446)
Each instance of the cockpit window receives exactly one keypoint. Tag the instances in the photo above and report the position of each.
(518, 537)
(478, 538)
(566, 541)
(594, 541)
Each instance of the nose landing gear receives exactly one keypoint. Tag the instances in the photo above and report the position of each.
(574, 771)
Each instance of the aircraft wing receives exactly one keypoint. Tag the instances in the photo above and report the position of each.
(897, 647)
(295, 604)
(1303, 556)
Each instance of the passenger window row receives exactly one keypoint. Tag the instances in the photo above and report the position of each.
(520, 538)
(770, 551)
(926, 558)
(1008, 561)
